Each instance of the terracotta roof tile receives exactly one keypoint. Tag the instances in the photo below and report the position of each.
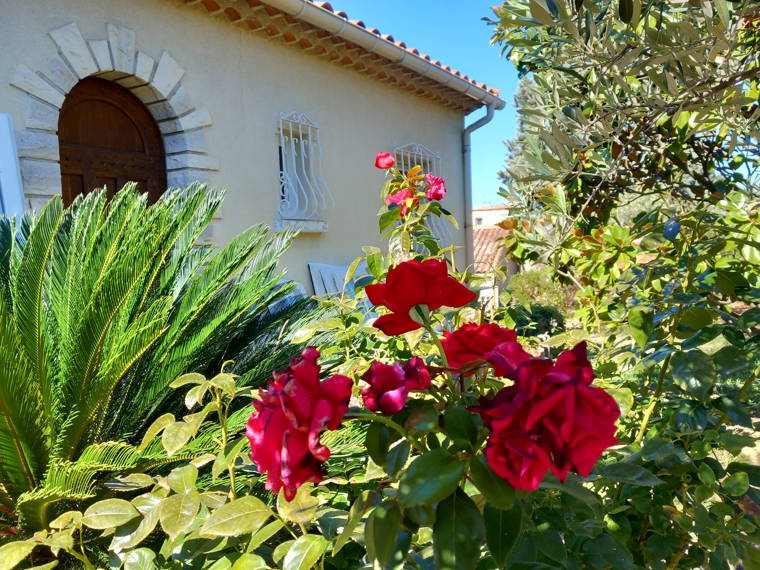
(488, 246)
(328, 6)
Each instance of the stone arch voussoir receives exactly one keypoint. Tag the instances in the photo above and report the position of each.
(157, 82)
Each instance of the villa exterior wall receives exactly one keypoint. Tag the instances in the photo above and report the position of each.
(226, 88)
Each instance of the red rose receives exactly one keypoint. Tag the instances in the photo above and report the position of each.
(414, 283)
(551, 411)
(436, 187)
(400, 198)
(519, 460)
(290, 416)
(470, 342)
(384, 160)
(390, 384)
(506, 357)
(417, 374)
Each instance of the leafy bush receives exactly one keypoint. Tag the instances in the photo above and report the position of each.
(536, 286)
(441, 463)
(539, 320)
(101, 306)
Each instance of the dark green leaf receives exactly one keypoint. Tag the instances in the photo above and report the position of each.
(423, 418)
(752, 471)
(495, 489)
(572, 487)
(734, 409)
(606, 552)
(388, 219)
(630, 473)
(750, 318)
(458, 533)
(734, 442)
(640, 323)
(380, 533)
(737, 484)
(430, 478)
(397, 457)
(625, 10)
(731, 361)
(694, 372)
(503, 528)
(378, 440)
(354, 517)
(459, 426)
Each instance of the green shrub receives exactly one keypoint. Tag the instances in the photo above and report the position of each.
(536, 287)
(102, 305)
(539, 320)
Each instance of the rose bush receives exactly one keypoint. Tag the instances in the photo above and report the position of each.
(438, 439)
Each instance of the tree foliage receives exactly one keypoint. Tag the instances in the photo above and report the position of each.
(633, 97)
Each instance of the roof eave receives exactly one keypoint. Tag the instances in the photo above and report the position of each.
(339, 26)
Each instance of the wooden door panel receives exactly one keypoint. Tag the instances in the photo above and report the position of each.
(107, 138)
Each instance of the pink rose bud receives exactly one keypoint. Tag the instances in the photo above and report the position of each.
(384, 160)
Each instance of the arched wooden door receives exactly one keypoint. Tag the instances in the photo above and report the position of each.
(107, 138)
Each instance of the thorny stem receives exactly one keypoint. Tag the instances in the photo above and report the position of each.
(654, 402)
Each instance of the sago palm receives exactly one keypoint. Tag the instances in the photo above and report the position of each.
(102, 305)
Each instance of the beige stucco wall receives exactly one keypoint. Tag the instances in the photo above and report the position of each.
(245, 81)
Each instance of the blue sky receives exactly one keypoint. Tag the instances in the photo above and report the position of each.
(453, 32)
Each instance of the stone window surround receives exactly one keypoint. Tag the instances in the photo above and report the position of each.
(158, 84)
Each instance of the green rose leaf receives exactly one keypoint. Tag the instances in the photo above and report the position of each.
(304, 553)
(503, 528)
(242, 516)
(458, 533)
(732, 361)
(382, 528)
(249, 561)
(377, 441)
(752, 471)
(422, 419)
(630, 473)
(226, 382)
(640, 323)
(182, 479)
(607, 552)
(130, 535)
(397, 457)
(140, 559)
(302, 509)
(130, 482)
(495, 489)
(354, 517)
(281, 550)
(460, 427)
(694, 372)
(178, 512)
(185, 379)
(176, 435)
(109, 513)
(737, 484)
(14, 552)
(431, 477)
